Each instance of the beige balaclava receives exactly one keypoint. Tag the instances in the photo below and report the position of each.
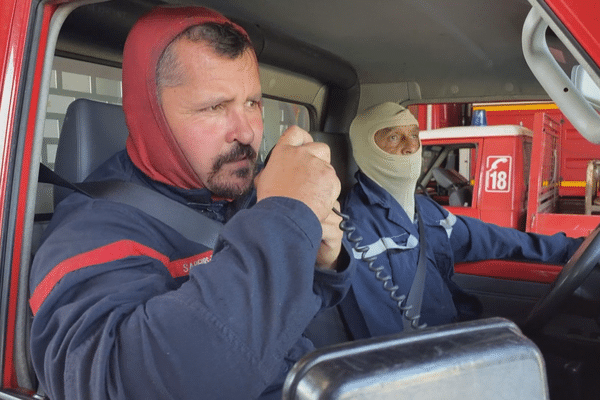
(398, 174)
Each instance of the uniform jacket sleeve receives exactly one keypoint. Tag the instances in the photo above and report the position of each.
(474, 240)
(122, 323)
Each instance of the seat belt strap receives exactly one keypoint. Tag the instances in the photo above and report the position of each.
(185, 220)
(415, 296)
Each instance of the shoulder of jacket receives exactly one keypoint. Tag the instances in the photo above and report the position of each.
(430, 207)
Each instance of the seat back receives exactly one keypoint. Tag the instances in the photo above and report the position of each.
(92, 132)
(461, 197)
(341, 157)
(460, 192)
(328, 327)
(448, 178)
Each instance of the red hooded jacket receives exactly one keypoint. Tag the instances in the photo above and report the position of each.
(151, 145)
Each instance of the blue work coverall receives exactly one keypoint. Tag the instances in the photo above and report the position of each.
(127, 308)
(394, 239)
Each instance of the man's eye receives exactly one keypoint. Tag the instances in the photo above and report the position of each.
(254, 103)
(216, 107)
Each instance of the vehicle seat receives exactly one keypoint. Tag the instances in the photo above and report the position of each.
(328, 327)
(92, 132)
(341, 157)
(460, 191)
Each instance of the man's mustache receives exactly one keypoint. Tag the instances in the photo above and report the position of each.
(238, 153)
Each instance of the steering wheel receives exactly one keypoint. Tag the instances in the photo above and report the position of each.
(573, 274)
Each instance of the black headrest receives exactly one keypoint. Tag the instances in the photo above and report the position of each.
(92, 132)
(341, 156)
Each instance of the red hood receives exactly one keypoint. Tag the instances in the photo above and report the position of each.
(151, 144)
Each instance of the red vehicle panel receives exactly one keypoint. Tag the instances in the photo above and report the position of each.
(499, 171)
(542, 216)
(576, 151)
(580, 18)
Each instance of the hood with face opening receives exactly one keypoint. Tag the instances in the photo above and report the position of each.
(150, 144)
(396, 173)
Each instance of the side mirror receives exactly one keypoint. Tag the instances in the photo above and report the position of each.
(586, 85)
(485, 359)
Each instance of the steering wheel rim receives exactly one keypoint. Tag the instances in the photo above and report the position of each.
(573, 274)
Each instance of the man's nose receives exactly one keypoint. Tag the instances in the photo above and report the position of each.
(410, 146)
(240, 128)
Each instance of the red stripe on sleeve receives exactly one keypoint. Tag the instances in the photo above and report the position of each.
(182, 267)
(111, 252)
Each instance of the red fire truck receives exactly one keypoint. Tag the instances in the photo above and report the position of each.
(509, 175)
(521, 159)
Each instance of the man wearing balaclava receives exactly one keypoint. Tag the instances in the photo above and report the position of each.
(125, 307)
(383, 208)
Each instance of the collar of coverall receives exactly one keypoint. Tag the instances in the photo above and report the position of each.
(150, 144)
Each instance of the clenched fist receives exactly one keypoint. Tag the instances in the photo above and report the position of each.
(300, 168)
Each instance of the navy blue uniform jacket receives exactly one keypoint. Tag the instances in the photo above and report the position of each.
(127, 308)
(386, 229)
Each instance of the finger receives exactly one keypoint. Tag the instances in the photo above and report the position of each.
(337, 206)
(331, 224)
(295, 136)
(332, 217)
(319, 150)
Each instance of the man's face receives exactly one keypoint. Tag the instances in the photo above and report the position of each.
(399, 140)
(216, 116)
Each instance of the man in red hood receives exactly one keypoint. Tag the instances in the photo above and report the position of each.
(131, 309)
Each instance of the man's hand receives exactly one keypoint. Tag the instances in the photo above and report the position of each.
(299, 168)
(331, 242)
